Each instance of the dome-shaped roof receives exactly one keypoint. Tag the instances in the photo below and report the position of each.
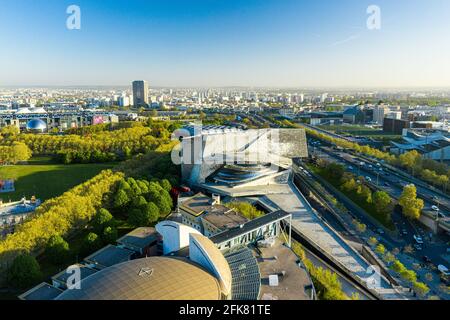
(154, 278)
(36, 124)
(204, 252)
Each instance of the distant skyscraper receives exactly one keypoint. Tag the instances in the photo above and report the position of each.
(140, 93)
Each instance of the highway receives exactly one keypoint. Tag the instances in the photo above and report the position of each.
(426, 191)
(381, 178)
(434, 246)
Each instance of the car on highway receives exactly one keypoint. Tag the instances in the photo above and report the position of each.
(404, 232)
(418, 239)
(369, 179)
(434, 208)
(380, 231)
(350, 168)
(387, 184)
(418, 247)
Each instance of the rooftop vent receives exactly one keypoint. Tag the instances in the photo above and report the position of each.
(273, 280)
(215, 199)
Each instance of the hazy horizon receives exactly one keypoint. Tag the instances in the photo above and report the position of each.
(240, 43)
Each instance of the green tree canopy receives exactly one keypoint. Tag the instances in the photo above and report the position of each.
(246, 209)
(57, 249)
(411, 205)
(109, 235)
(102, 219)
(421, 288)
(121, 199)
(24, 272)
(382, 202)
(91, 243)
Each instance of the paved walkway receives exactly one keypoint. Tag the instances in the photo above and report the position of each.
(305, 221)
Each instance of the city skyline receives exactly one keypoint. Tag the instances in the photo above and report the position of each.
(293, 44)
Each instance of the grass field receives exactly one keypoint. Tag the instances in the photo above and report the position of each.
(45, 179)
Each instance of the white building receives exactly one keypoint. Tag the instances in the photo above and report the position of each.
(379, 113)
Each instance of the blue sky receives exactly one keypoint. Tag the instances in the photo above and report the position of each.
(279, 43)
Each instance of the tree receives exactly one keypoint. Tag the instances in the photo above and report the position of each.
(20, 152)
(389, 257)
(91, 243)
(64, 215)
(102, 219)
(165, 184)
(144, 216)
(137, 218)
(380, 249)
(365, 193)
(361, 227)
(24, 272)
(246, 210)
(382, 202)
(110, 235)
(57, 250)
(372, 241)
(398, 267)
(139, 202)
(443, 182)
(409, 159)
(349, 185)
(411, 205)
(335, 171)
(164, 203)
(408, 275)
(420, 288)
(121, 199)
(152, 212)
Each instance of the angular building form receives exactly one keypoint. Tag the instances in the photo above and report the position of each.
(235, 157)
(431, 144)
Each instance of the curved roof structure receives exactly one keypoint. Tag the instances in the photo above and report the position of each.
(36, 124)
(242, 173)
(154, 278)
(204, 252)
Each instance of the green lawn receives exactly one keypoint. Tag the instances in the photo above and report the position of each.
(45, 179)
